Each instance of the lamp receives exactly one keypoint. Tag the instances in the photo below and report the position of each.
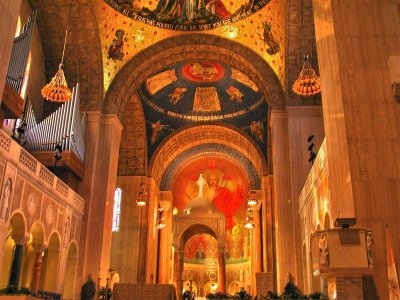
(141, 199)
(249, 219)
(308, 82)
(160, 219)
(57, 89)
(252, 198)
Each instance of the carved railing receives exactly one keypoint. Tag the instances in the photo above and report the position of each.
(12, 152)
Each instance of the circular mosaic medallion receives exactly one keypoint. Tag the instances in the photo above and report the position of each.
(187, 15)
(49, 214)
(203, 71)
(32, 203)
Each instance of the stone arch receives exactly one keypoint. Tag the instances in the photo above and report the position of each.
(121, 97)
(17, 231)
(187, 226)
(70, 271)
(35, 243)
(191, 46)
(218, 150)
(50, 264)
(192, 136)
(83, 57)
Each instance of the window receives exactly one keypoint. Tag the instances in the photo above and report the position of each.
(117, 210)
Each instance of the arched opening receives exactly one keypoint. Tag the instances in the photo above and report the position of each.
(50, 264)
(16, 232)
(327, 221)
(70, 272)
(33, 245)
(7, 259)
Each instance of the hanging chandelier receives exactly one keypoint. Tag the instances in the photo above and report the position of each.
(252, 198)
(57, 89)
(308, 83)
(249, 219)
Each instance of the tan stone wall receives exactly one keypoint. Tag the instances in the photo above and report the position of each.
(125, 245)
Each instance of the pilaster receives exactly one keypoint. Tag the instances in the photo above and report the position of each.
(283, 203)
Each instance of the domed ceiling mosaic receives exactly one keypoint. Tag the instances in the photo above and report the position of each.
(202, 92)
(187, 14)
(127, 27)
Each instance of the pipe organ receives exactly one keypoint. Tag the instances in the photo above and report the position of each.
(19, 55)
(62, 127)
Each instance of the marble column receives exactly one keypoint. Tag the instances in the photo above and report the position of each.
(178, 272)
(361, 116)
(37, 269)
(303, 121)
(283, 203)
(17, 258)
(102, 139)
(221, 271)
(9, 12)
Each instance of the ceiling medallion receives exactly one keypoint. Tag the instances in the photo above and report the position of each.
(187, 15)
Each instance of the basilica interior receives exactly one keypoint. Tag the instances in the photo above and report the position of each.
(183, 149)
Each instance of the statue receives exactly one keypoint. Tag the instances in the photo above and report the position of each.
(6, 199)
(323, 252)
(370, 250)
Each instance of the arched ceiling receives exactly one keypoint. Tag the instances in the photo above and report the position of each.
(210, 150)
(194, 92)
(127, 29)
(194, 136)
(122, 97)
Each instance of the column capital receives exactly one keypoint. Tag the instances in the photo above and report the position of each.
(111, 119)
(20, 239)
(278, 115)
(304, 111)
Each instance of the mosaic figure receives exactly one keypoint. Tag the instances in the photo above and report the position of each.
(257, 130)
(177, 95)
(116, 49)
(270, 41)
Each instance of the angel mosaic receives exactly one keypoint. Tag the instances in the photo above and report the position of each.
(157, 131)
(177, 95)
(269, 40)
(235, 94)
(257, 130)
(116, 49)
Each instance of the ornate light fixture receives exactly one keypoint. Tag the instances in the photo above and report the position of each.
(57, 89)
(252, 198)
(141, 199)
(160, 219)
(308, 83)
(249, 219)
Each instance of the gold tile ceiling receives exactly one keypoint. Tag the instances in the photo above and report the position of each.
(138, 35)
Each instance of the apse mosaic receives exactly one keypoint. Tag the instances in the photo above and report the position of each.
(214, 184)
(187, 14)
(125, 32)
(202, 91)
(202, 249)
